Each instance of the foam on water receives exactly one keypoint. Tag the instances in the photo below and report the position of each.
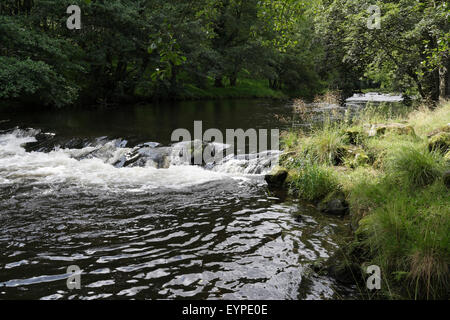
(374, 97)
(93, 166)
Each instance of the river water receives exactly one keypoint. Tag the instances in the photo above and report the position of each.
(70, 195)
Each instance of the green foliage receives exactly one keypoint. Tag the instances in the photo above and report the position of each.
(406, 52)
(408, 233)
(150, 49)
(130, 49)
(34, 66)
(289, 139)
(326, 145)
(414, 165)
(399, 207)
(28, 78)
(312, 182)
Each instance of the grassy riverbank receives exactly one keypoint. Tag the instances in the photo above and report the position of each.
(245, 88)
(389, 168)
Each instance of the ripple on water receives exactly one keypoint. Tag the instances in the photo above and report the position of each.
(218, 239)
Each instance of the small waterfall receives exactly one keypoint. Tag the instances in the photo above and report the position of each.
(28, 154)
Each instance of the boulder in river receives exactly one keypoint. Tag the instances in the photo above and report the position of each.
(334, 204)
(335, 207)
(276, 178)
(339, 267)
(142, 156)
(45, 142)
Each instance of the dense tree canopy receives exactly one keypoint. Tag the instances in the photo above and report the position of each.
(148, 49)
(405, 54)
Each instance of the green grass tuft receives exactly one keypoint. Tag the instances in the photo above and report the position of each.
(415, 165)
(312, 182)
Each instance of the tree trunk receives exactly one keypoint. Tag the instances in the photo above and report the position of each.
(442, 82)
(276, 84)
(233, 80)
(173, 78)
(447, 84)
(218, 82)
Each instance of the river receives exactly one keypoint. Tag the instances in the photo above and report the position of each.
(139, 230)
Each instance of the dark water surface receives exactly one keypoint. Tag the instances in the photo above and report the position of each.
(147, 233)
(155, 122)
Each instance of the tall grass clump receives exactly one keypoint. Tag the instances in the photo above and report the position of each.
(409, 239)
(329, 97)
(312, 182)
(415, 165)
(425, 119)
(325, 145)
(289, 139)
(365, 188)
(379, 113)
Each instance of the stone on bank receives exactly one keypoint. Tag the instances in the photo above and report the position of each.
(276, 178)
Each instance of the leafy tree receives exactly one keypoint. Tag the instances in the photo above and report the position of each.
(33, 65)
(147, 49)
(396, 53)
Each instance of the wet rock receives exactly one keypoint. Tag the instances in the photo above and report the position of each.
(345, 272)
(131, 159)
(334, 206)
(446, 178)
(74, 143)
(45, 142)
(192, 150)
(439, 142)
(159, 156)
(120, 143)
(149, 144)
(143, 156)
(376, 130)
(276, 178)
(342, 268)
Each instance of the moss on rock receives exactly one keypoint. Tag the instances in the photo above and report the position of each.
(376, 130)
(439, 142)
